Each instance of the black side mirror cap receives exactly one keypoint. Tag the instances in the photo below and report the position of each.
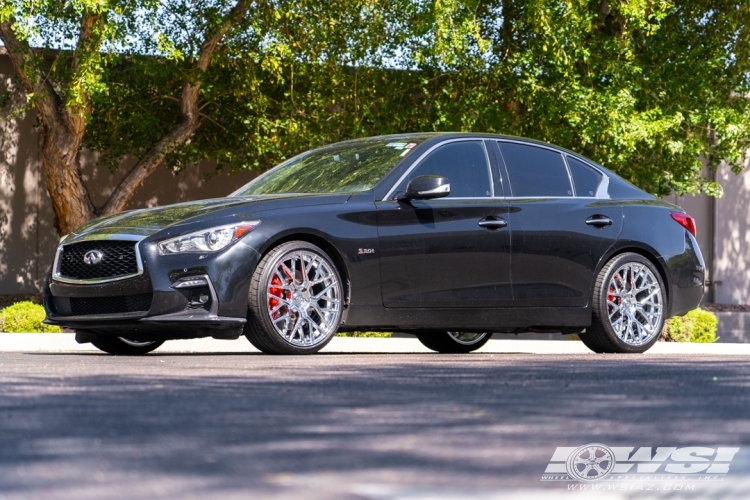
(426, 187)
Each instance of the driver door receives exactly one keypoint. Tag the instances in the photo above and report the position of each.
(434, 253)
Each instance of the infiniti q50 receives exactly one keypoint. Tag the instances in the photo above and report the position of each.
(449, 237)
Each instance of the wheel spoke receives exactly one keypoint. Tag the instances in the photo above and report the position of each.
(281, 300)
(297, 324)
(280, 318)
(302, 269)
(635, 320)
(288, 272)
(295, 260)
(311, 322)
(648, 297)
(322, 310)
(304, 293)
(319, 295)
(618, 323)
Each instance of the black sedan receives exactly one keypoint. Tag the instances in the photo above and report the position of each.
(449, 237)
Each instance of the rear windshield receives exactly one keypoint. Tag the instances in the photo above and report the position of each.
(347, 167)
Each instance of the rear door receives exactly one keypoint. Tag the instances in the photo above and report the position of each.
(434, 253)
(561, 224)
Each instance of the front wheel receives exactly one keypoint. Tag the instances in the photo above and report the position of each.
(295, 301)
(628, 306)
(125, 347)
(453, 342)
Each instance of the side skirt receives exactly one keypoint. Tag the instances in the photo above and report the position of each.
(479, 319)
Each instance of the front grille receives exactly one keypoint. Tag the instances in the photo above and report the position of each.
(83, 306)
(118, 259)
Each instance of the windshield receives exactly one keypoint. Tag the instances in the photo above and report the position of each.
(339, 168)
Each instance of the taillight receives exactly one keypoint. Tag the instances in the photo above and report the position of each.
(685, 221)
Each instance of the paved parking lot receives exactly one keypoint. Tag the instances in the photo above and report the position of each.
(376, 426)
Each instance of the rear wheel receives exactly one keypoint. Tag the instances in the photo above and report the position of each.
(453, 342)
(125, 347)
(295, 300)
(628, 306)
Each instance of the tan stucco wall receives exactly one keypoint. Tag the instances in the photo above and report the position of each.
(732, 239)
(27, 235)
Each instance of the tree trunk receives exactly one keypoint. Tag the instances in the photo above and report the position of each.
(70, 198)
(62, 127)
(61, 134)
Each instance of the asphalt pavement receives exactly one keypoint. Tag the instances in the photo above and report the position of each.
(80, 424)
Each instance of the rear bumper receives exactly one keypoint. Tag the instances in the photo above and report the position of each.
(686, 275)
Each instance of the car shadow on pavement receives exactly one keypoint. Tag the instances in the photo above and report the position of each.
(172, 424)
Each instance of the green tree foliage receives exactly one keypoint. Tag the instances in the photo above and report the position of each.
(649, 88)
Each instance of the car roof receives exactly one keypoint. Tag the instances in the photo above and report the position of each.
(425, 136)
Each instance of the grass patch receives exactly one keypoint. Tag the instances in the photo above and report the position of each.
(365, 334)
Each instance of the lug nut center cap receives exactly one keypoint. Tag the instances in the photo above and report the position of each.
(301, 300)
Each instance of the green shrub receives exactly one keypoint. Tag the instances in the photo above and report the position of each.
(24, 317)
(364, 334)
(696, 326)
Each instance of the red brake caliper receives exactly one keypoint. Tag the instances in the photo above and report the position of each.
(611, 292)
(277, 292)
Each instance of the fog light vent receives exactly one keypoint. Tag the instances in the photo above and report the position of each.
(200, 298)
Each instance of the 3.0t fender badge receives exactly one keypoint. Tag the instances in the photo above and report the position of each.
(363, 251)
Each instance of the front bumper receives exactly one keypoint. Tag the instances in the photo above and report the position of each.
(185, 295)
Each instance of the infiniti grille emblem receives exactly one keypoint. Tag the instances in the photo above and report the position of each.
(93, 257)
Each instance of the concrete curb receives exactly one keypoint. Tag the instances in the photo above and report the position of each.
(65, 343)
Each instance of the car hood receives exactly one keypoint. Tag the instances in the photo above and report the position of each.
(147, 221)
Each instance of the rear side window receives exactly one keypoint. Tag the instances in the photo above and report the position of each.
(585, 179)
(465, 165)
(534, 171)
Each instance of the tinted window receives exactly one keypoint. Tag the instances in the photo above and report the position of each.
(585, 179)
(464, 164)
(339, 168)
(535, 171)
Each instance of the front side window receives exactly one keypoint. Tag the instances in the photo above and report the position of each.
(534, 171)
(466, 166)
(347, 167)
(585, 179)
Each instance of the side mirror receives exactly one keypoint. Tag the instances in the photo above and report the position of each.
(426, 187)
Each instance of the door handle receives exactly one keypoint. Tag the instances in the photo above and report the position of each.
(493, 223)
(599, 221)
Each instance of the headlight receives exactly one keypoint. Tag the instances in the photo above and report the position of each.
(207, 240)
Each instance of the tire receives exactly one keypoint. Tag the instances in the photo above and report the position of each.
(296, 300)
(451, 343)
(637, 318)
(125, 347)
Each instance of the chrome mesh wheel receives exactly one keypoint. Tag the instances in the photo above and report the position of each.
(304, 298)
(137, 343)
(465, 338)
(635, 303)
